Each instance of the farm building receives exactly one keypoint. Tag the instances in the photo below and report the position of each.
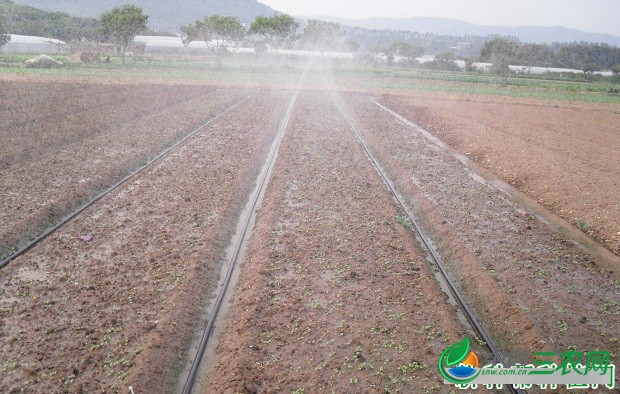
(33, 44)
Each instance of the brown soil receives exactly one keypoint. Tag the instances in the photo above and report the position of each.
(54, 115)
(120, 310)
(304, 316)
(56, 159)
(334, 294)
(519, 274)
(566, 156)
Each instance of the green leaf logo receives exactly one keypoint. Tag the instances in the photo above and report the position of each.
(456, 353)
(453, 355)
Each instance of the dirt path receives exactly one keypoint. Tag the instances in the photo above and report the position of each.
(121, 309)
(333, 294)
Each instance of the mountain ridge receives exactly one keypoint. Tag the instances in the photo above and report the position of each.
(163, 15)
(454, 27)
(168, 16)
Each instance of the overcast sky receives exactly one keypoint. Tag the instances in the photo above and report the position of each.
(596, 16)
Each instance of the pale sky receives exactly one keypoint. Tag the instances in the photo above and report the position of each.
(595, 16)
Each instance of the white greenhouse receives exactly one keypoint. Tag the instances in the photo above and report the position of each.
(156, 44)
(32, 44)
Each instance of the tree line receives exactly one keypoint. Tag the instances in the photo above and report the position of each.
(121, 24)
(581, 56)
(4, 37)
(32, 21)
(275, 31)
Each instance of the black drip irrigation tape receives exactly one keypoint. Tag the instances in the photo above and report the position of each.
(68, 218)
(261, 185)
(427, 244)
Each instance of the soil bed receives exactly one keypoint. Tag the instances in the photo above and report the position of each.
(566, 156)
(119, 309)
(99, 136)
(523, 279)
(333, 294)
(40, 118)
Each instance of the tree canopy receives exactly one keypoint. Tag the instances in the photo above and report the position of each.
(499, 51)
(121, 24)
(30, 21)
(275, 29)
(352, 45)
(216, 30)
(405, 49)
(443, 61)
(581, 56)
(4, 37)
(320, 35)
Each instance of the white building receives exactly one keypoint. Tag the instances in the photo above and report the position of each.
(32, 44)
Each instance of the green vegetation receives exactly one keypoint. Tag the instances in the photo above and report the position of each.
(583, 225)
(239, 70)
(280, 30)
(276, 29)
(26, 20)
(403, 220)
(501, 52)
(323, 36)
(225, 30)
(278, 70)
(547, 87)
(582, 56)
(121, 24)
(164, 14)
(403, 49)
(4, 38)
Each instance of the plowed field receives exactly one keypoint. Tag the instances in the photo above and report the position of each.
(334, 291)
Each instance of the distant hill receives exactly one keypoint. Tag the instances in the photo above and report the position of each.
(30, 21)
(164, 15)
(453, 27)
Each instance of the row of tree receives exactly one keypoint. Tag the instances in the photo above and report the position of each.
(277, 30)
(32, 21)
(4, 37)
(582, 56)
(374, 40)
(121, 24)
